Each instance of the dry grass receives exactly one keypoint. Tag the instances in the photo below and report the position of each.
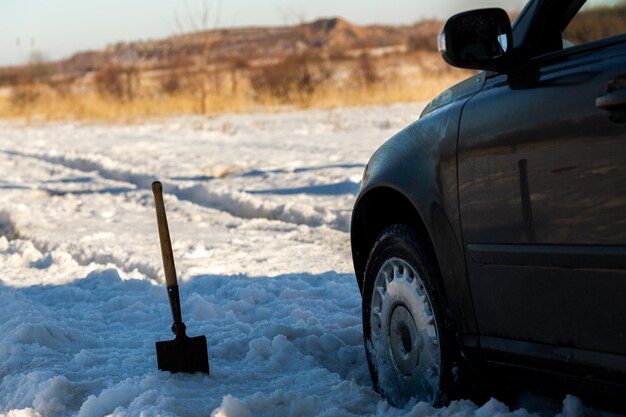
(388, 91)
(93, 106)
(395, 82)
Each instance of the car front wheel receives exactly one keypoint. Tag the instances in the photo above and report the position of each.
(403, 321)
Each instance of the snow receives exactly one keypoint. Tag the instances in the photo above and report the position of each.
(259, 208)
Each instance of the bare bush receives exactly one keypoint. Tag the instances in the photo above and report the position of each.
(199, 76)
(62, 85)
(24, 95)
(422, 43)
(120, 83)
(236, 64)
(197, 83)
(293, 75)
(170, 84)
(132, 77)
(366, 71)
(108, 81)
(9, 76)
(39, 68)
(24, 92)
(596, 23)
(27, 80)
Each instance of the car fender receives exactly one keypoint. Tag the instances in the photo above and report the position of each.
(417, 167)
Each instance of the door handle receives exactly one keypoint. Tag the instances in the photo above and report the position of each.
(611, 100)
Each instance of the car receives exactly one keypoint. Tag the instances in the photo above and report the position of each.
(489, 236)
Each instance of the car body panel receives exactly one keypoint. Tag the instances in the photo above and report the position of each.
(542, 192)
(420, 163)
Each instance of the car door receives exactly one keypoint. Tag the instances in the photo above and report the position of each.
(542, 194)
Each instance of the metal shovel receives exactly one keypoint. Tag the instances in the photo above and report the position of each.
(183, 354)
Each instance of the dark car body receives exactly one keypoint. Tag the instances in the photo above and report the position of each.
(515, 180)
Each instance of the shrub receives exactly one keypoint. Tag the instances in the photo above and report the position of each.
(62, 85)
(109, 81)
(292, 75)
(24, 95)
(24, 92)
(170, 84)
(366, 70)
(118, 82)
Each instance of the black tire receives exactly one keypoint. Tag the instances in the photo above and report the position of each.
(402, 306)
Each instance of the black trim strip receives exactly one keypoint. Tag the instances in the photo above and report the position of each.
(565, 356)
(574, 256)
(527, 208)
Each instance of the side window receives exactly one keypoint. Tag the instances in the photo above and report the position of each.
(596, 20)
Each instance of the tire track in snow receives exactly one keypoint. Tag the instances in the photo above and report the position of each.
(237, 203)
(11, 231)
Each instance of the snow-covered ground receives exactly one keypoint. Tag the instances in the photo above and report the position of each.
(259, 209)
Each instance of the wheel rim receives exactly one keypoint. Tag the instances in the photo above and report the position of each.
(404, 338)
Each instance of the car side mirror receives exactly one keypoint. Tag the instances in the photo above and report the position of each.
(478, 39)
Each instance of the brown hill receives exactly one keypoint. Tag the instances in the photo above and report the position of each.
(332, 36)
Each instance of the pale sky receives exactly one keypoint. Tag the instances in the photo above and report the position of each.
(58, 28)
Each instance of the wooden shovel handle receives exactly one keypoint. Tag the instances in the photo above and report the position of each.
(164, 236)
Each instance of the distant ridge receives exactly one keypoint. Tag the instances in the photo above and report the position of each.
(328, 36)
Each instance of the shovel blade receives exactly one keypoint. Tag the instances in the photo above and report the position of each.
(183, 354)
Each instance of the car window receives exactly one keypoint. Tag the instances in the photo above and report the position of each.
(595, 20)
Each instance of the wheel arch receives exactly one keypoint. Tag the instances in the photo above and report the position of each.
(372, 215)
(412, 179)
